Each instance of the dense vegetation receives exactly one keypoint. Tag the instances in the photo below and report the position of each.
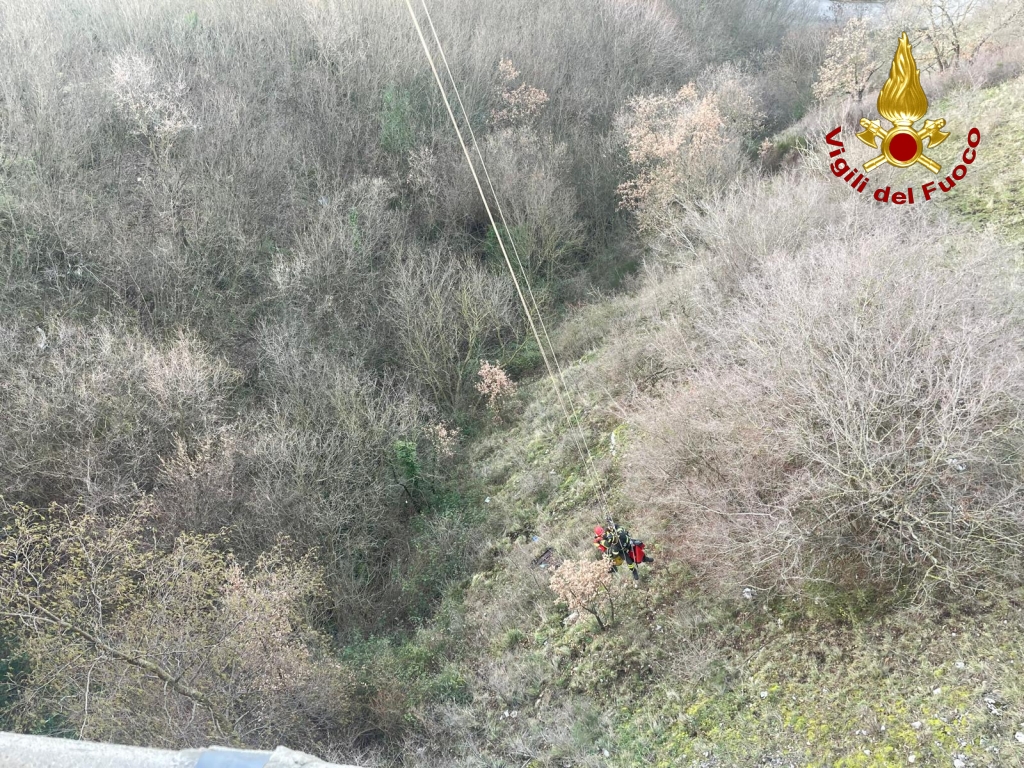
(279, 460)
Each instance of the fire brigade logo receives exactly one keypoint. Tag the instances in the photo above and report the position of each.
(902, 102)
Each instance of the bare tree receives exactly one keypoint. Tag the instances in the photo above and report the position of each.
(174, 647)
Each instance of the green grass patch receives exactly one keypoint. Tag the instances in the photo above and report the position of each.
(870, 694)
(993, 191)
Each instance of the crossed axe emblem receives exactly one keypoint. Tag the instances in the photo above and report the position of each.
(902, 145)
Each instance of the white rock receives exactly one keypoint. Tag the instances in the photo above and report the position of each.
(959, 665)
(916, 724)
(606, 753)
(958, 763)
(912, 758)
(1019, 736)
(764, 694)
(936, 692)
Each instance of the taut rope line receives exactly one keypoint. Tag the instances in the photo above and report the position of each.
(574, 417)
(588, 458)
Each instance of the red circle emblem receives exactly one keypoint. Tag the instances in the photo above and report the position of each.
(903, 147)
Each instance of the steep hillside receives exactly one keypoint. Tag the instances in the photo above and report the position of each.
(700, 667)
(280, 462)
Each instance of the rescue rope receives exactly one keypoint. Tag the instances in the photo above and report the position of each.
(515, 250)
(569, 411)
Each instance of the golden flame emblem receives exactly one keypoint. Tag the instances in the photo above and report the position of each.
(902, 102)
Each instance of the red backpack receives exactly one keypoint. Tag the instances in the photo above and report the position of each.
(637, 551)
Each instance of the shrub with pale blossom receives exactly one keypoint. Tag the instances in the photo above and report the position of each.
(581, 585)
(659, 133)
(519, 103)
(683, 146)
(445, 439)
(852, 59)
(496, 385)
(154, 109)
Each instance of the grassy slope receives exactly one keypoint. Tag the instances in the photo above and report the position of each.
(995, 192)
(714, 684)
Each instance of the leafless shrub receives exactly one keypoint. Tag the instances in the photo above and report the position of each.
(445, 312)
(989, 67)
(319, 461)
(171, 647)
(528, 171)
(793, 213)
(154, 110)
(197, 486)
(184, 379)
(724, 30)
(854, 56)
(443, 192)
(952, 32)
(90, 409)
(785, 82)
(855, 420)
(335, 277)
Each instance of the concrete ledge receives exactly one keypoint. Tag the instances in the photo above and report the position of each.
(20, 751)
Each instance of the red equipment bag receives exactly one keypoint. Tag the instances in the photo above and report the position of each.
(638, 551)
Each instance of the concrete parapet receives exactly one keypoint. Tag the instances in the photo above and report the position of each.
(20, 751)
